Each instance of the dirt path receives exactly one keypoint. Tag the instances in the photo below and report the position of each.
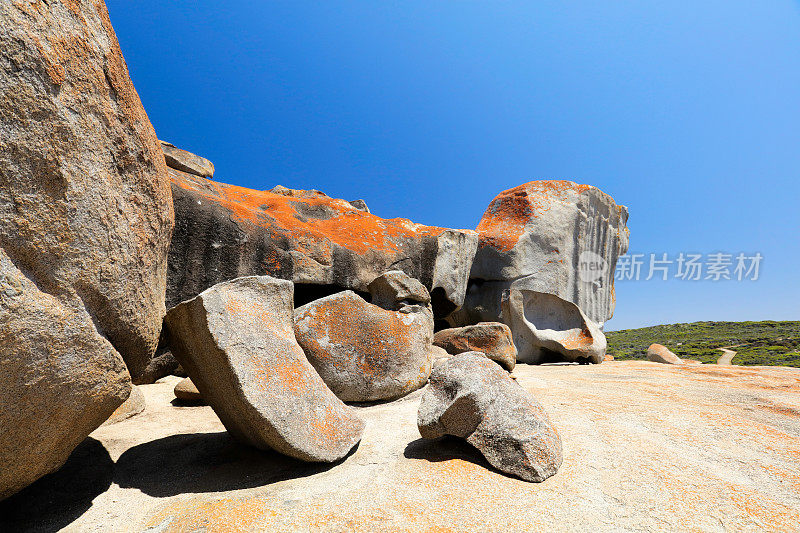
(727, 355)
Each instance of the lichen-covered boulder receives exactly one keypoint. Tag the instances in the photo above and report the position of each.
(362, 351)
(223, 232)
(547, 329)
(547, 236)
(85, 199)
(236, 342)
(658, 353)
(59, 380)
(491, 338)
(184, 161)
(471, 397)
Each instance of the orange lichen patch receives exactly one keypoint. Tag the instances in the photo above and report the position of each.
(311, 220)
(577, 339)
(504, 221)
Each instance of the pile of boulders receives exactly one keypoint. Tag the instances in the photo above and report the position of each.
(283, 304)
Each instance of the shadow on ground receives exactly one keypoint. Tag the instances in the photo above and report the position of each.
(444, 449)
(206, 462)
(56, 500)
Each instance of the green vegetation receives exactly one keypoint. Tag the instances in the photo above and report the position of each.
(757, 343)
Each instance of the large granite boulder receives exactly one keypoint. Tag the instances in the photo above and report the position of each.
(658, 353)
(547, 329)
(547, 236)
(493, 339)
(236, 341)
(473, 398)
(223, 232)
(184, 161)
(59, 380)
(362, 351)
(85, 200)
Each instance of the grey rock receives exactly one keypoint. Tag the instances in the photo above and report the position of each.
(224, 232)
(185, 390)
(473, 398)
(540, 236)
(85, 200)
(549, 329)
(658, 353)
(184, 161)
(361, 205)
(490, 338)
(362, 351)
(59, 380)
(236, 342)
(395, 289)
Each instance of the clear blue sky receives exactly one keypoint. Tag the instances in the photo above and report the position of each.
(686, 112)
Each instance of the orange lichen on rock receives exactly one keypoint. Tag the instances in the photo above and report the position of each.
(503, 222)
(312, 219)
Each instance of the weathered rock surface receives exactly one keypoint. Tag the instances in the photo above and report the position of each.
(535, 237)
(85, 200)
(134, 405)
(223, 232)
(548, 329)
(59, 380)
(395, 289)
(362, 351)
(472, 398)
(658, 353)
(492, 338)
(186, 391)
(728, 444)
(184, 161)
(236, 341)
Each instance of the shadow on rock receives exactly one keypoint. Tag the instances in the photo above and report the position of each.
(446, 448)
(58, 499)
(206, 462)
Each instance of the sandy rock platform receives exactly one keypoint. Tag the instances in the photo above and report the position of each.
(647, 447)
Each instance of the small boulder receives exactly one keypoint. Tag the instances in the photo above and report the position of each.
(236, 341)
(134, 405)
(186, 391)
(491, 338)
(658, 353)
(362, 351)
(548, 329)
(393, 290)
(473, 398)
(186, 161)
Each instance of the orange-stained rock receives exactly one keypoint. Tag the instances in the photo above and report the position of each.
(224, 231)
(541, 236)
(658, 353)
(236, 341)
(493, 339)
(547, 329)
(362, 351)
(473, 398)
(85, 200)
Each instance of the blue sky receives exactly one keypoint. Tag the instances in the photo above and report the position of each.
(686, 112)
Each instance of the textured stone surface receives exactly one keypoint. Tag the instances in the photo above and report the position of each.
(547, 329)
(134, 405)
(184, 161)
(472, 398)
(186, 391)
(362, 351)
(59, 380)
(223, 232)
(236, 341)
(491, 338)
(728, 448)
(659, 353)
(533, 237)
(395, 289)
(85, 201)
